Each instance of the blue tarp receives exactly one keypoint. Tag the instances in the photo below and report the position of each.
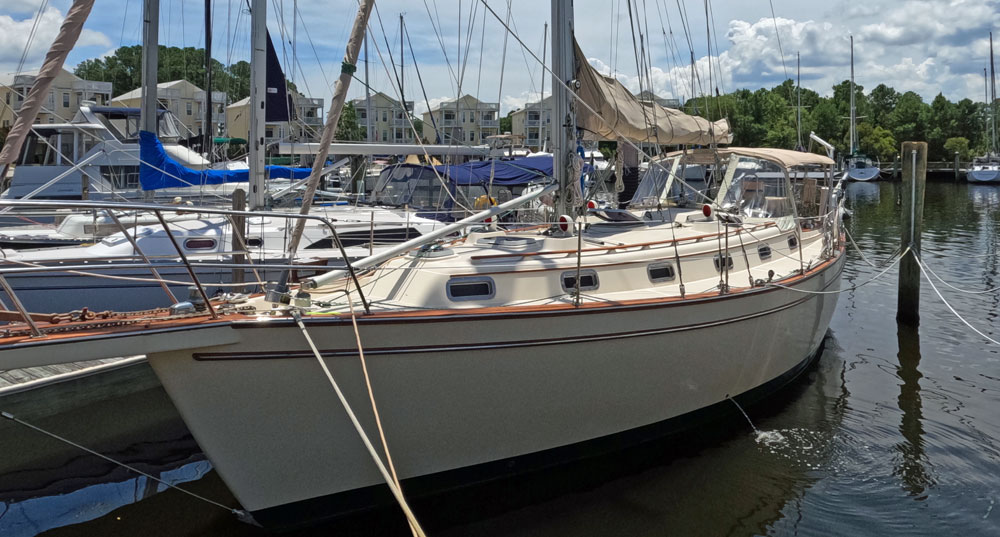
(505, 172)
(157, 170)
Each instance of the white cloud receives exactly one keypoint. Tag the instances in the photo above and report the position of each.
(14, 35)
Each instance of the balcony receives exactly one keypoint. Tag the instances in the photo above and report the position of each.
(91, 86)
(316, 121)
(489, 123)
(362, 121)
(448, 122)
(400, 122)
(532, 123)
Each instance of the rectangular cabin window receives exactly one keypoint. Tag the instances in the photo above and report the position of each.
(718, 262)
(764, 252)
(471, 288)
(199, 244)
(588, 280)
(661, 272)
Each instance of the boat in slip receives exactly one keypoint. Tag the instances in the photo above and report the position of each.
(507, 348)
(500, 352)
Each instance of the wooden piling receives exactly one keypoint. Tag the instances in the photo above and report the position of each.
(239, 230)
(895, 167)
(956, 166)
(914, 157)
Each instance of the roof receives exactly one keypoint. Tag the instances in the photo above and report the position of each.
(782, 157)
(137, 92)
(242, 102)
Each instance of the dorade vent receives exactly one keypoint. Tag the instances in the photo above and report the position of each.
(764, 252)
(718, 262)
(661, 272)
(199, 244)
(508, 242)
(471, 288)
(588, 280)
(793, 242)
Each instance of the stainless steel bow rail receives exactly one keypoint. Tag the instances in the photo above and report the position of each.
(16, 267)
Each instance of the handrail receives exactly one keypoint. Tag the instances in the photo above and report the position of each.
(369, 261)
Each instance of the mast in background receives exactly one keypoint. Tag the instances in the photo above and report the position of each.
(993, 100)
(798, 92)
(541, 95)
(209, 131)
(853, 119)
(563, 73)
(258, 96)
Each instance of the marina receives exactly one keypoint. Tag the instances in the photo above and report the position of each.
(588, 309)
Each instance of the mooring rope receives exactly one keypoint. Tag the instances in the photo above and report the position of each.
(240, 514)
(958, 289)
(873, 279)
(389, 480)
(924, 270)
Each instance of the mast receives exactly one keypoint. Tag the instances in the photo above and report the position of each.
(402, 94)
(258, 96)
(368, 101)
(295, 25)
(798, 92)
(563, 73)
(853, 148)
(986, 101)
(993, 100)
(209, 131)
(340, 87)
(541, 94)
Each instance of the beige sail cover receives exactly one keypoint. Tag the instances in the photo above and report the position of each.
(622, 114)
(51, 67)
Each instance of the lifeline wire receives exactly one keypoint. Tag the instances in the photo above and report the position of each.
(241, 514)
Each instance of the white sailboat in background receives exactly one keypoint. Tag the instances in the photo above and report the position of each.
(860, 167)
(986, 169)
(499, 352)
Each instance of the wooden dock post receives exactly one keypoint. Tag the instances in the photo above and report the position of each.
(895, 167)
(914, 157)
(956, 166)
(239, 230)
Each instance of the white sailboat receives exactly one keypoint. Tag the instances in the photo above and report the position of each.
(986, 169)
(507, 350)
(860, 167)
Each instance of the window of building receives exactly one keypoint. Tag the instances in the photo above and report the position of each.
(472, 136)
(385, 136)
(8, 97)
(385, 116)
(188, 107)
(6, 123)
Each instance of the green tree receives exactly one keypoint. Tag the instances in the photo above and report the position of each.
(958, 145)
(876, 141)
(506, 123)
(883, 100)
(347, 127)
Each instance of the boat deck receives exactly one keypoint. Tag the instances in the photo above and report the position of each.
(12, 380)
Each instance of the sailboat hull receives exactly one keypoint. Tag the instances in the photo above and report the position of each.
(469, 397)
(863, 174)
(983, 176)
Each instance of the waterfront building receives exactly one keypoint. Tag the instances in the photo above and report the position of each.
(387, 119)
(67, 94)
(186, 101)
(305, 123)
(466, 121)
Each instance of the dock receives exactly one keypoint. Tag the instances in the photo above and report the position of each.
(17, 380)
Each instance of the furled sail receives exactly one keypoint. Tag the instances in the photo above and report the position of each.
(276, 102)
(69, 32)
(619, 113)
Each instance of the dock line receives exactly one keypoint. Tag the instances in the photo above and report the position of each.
(242, 515)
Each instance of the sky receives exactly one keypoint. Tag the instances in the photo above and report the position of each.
(926, 46)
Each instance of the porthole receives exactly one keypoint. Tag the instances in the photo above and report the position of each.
(471, 288)
(199, 244)
(764, 252)
(588, 280)
(793, 242)
(718, 262)
(661, 272)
